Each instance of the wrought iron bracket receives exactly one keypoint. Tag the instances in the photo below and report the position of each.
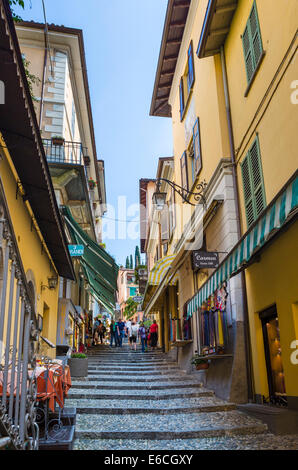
(185, 193)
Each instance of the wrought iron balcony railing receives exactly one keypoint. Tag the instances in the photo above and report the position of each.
(70, 153)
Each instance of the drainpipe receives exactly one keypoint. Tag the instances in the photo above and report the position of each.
(43, 78)
(235, 184)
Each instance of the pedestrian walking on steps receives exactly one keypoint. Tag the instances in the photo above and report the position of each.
(129, 335)
(102, 330)
(153, 334)
(121, 326)
(134, 335)
(142, 335)
(113, 334)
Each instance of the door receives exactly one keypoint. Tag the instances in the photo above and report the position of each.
(273, 356)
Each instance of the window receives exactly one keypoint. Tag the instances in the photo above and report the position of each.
(172, 213)
(253, 185)
(73, 119)
(252, 43)
(165, 225)
(184, 174)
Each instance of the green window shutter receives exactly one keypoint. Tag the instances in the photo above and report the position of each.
(253, 185)
(257, 178)
(197, 148)
(184, 171)
(255, 32)
(248, 191)
(252, 43)
(249, 64)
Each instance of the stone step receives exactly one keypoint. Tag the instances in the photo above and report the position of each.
(141, 386)
(255, 442)
(168, 426)
(131, 362)
(135, 394)
(117, 373)
(173, 406)
(132, 369)
(135, 378)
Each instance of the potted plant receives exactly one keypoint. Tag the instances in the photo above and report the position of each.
(92, 184)
(200, 362)
(58, 140)
(78, 364)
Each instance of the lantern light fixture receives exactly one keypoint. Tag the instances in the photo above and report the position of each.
(159, 198)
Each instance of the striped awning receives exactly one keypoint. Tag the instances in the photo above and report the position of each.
(160, 270)
(269, 222)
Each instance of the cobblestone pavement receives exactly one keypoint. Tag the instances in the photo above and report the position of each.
(135, 401)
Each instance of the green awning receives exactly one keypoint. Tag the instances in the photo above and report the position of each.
(99, 267)
(273, 218)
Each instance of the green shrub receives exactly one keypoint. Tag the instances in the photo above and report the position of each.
(78, 356)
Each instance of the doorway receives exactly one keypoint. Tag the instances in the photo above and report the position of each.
(273, 357)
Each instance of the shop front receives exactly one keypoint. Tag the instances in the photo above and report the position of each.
(267, 254)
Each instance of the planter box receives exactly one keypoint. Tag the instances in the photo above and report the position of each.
(78, 367)
(63, 442)
(202, 366)
(58, 142)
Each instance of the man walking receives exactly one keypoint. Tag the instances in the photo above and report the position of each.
(121, 326)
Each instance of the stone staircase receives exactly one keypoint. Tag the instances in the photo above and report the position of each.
(132, 400)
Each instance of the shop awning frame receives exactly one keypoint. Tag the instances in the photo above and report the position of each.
(99, 267)
(276, 216)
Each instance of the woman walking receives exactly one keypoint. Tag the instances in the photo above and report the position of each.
(142, 335)
(153, 334)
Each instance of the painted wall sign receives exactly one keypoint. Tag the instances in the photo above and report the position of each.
(205, 259)
(76, 250)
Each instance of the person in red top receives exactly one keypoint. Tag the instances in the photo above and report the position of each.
(153, 334)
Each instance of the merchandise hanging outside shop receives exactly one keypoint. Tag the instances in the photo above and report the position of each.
(213, 324)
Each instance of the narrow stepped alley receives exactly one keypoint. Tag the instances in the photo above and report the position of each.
(134, 401)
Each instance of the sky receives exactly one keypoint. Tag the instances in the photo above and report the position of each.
(122, 43)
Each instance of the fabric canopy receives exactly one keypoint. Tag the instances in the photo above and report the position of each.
(270, 221)
(99, 267)
(160, 270)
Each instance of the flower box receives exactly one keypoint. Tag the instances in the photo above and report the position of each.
(58, 141)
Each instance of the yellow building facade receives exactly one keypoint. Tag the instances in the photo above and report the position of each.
(226, 77)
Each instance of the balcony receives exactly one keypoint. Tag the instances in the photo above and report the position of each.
(69, 153)
(69, 169)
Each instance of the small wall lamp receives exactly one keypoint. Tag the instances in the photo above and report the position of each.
(52, 283)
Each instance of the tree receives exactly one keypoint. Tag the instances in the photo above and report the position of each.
(131, 308)
(127, 262)
(137, 257)
(131, 262)
(20, 3)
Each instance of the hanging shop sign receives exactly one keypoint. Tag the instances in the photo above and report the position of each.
(205, 259)
(76, 250)
(138, 299)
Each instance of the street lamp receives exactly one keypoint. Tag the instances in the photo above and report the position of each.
(52, 283)
(159, 198)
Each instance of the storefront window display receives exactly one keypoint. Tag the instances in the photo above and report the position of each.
(213, 323)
